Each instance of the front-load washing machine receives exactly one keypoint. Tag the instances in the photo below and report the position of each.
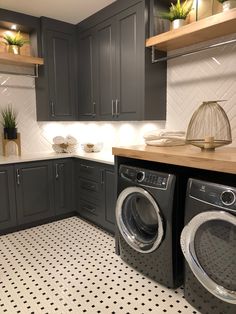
(208, 242)
(149, 223)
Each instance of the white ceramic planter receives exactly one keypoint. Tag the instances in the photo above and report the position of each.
(178, 23)
(228, 5)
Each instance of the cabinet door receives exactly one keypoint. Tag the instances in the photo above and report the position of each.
(86, 76)
(106, 34)
(61, 74)
(110, 200)
(34, 191)
(63, 175)
(7, 198)
(129, 64)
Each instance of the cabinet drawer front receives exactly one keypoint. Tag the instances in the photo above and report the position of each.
(89, 190)
(89, 170)
(90, 186)
(90, 211)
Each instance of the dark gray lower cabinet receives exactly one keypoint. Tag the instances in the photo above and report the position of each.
(7, 198)
(96, 193)
(63, 178)
(34, 191)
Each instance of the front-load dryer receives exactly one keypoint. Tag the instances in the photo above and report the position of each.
(208, 242)
(149, 224)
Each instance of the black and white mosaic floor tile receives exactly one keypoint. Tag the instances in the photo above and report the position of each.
(70, 266)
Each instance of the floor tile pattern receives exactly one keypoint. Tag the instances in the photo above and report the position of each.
(69, 266)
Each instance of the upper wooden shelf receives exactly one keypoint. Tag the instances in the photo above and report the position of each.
(10, 58)
(209, 28)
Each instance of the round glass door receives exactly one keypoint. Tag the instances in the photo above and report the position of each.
(209, 246)
(139, 219)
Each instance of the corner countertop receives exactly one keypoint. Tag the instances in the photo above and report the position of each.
(221, 160)
(102, 157)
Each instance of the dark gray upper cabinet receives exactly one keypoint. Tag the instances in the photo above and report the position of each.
(106, 89)
(56, 86)
(123, 84)
(63, 178)
(34, 191)
(86, 70)
(7, 198)
(129, 64)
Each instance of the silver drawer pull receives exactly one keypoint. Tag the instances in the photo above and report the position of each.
(86, 167)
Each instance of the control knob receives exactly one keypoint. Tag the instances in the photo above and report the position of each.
(228, 197)
(140, 176)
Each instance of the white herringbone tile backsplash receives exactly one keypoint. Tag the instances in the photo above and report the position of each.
(209, 75)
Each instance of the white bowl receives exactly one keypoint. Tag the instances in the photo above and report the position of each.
(92, 147)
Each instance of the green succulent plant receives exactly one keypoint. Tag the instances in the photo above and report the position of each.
(16, 40)
(8, 118)
(178, 11)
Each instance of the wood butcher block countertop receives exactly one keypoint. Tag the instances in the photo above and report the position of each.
(221, 160)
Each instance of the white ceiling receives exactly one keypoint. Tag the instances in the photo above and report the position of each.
(72, 11)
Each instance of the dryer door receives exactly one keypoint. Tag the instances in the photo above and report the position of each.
(209, 246)
(139, 219)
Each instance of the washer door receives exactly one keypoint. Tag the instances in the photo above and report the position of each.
(209, 246)
(139, 219)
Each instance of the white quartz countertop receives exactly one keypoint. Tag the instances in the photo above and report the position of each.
(103, 157)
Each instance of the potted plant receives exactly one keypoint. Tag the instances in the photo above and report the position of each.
(178, 13)
(9, 123)
(14, 42)
(228, 4)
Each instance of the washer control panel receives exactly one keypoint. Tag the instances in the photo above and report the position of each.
(144, 177)
(214, 194)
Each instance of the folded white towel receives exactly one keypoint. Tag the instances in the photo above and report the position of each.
(166, 142)
(164, 133)
(58, 140)
(71, 140)
(57, 148)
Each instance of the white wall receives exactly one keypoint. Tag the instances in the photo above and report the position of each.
(208, 75)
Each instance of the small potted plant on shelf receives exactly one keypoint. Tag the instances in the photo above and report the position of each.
(228, 4)
(14, 42)
(178, 13)
(9, 123)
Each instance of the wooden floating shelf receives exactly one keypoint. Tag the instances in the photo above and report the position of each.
(209, 28)
(10, 58)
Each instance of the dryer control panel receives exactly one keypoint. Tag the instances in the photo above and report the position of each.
(144, 177)
(214, 194)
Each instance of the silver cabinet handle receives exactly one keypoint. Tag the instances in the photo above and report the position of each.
(57, 173)
(18, 176)
(85, 166)
(94, 109)
(112, 108)
(102, 176)
(52, 108)
(117, 107)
